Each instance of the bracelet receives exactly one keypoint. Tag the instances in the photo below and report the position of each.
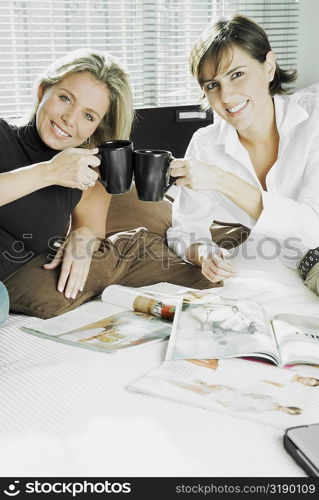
(309, 260)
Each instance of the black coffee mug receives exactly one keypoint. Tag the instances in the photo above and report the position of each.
(116, 168)
(151, 173)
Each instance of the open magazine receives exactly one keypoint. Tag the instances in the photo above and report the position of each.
(209, 326)
(123, 317)
(275, 396)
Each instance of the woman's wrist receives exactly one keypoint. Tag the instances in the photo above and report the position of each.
(197, 252)
(87, 237)
(43, 174)
(246, 196)
(224, 182)
(47, 173)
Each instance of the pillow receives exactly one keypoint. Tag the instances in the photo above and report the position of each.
(127, 212)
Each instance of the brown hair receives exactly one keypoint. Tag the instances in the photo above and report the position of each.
(219, 38)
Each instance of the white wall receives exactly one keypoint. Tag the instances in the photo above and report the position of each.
(308, 52)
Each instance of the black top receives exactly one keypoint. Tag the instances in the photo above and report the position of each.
(31, 224)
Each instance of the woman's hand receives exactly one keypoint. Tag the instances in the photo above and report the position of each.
(75, 257)
(71, 168)
(195, 174)
(215, 268)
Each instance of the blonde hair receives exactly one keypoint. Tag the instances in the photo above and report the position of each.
(117, 122)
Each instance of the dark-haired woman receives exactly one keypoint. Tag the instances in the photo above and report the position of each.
(259, 161)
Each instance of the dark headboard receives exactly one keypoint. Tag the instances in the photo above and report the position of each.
(168, 128)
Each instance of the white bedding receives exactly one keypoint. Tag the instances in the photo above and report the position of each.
(65, 410)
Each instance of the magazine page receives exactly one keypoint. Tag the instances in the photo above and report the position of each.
(297, 338)
(241, 388)
(211, 326)
(106, 327)
(83, 315)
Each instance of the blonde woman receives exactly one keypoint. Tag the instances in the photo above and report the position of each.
(81, 100)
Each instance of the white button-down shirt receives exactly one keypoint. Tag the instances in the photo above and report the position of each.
(291, 202)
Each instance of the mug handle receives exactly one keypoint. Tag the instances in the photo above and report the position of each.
(99, 155)
(171, 179)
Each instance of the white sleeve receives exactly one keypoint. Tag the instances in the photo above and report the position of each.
(193, 214)
(285, 218)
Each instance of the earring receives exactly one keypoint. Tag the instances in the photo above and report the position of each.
(88, 141)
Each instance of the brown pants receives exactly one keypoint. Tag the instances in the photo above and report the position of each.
(228, 235)
(132, 258)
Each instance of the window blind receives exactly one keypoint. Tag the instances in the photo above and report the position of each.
(152, 37)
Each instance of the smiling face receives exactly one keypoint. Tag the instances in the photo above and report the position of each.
(239, 93)
(71, 110)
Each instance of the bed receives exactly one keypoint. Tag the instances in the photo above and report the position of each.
(66, 412)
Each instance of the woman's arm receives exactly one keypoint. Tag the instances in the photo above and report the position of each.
(190, 236)
(87, 229)
(21, 182)
(202, 176)
(244, 195)
(292, 221)
(91, 211)
(69, 168)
